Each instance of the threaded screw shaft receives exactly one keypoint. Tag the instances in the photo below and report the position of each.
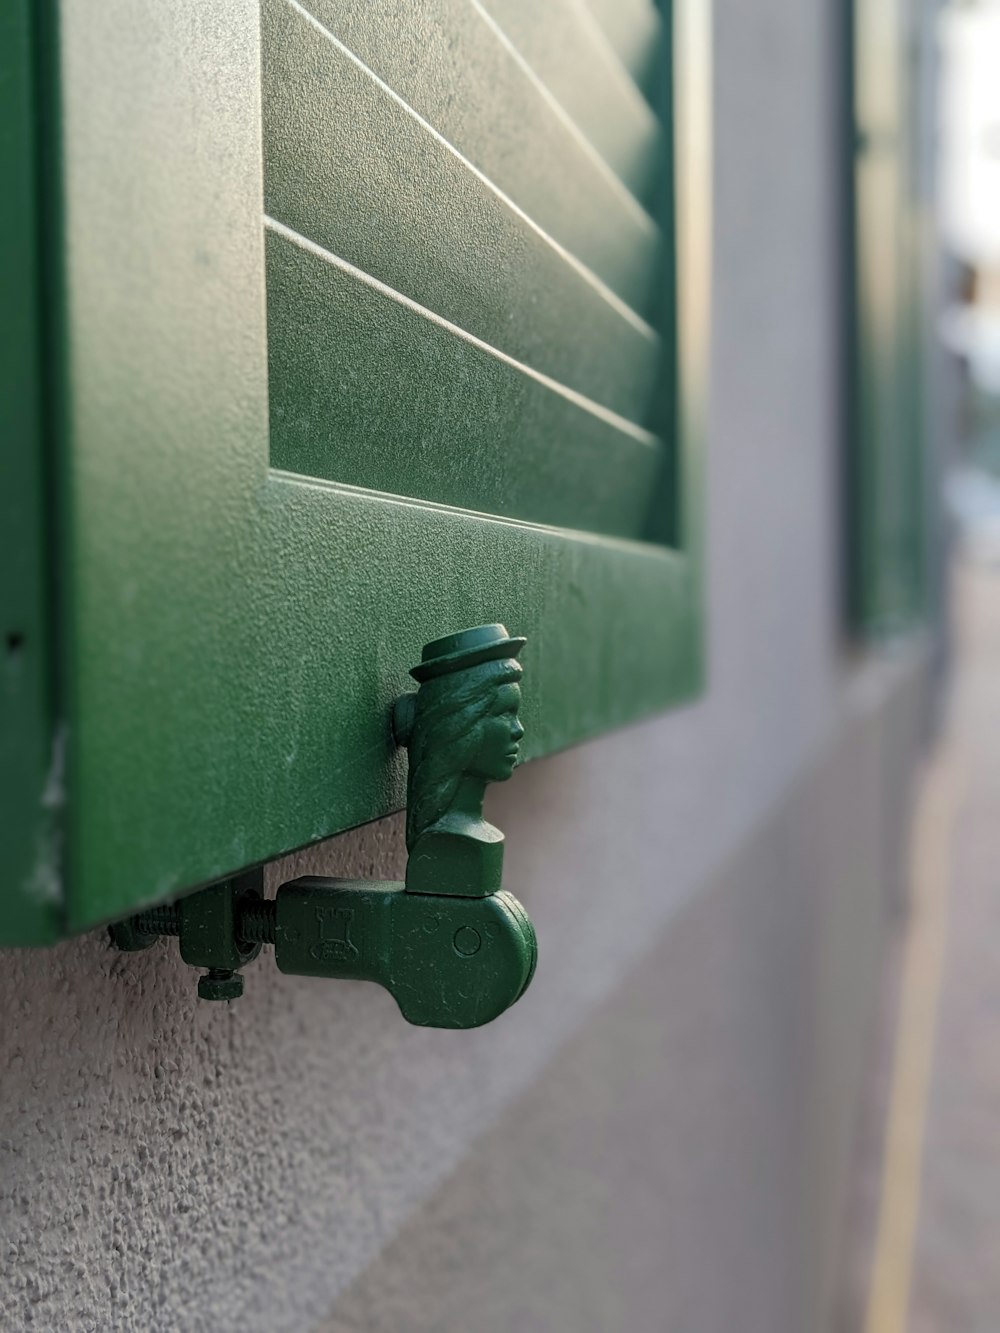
(257, 920)
(163, 920)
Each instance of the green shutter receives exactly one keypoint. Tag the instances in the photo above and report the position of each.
(886, 419)
(355, 338)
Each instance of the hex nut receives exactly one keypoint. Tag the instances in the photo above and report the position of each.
(220, 985)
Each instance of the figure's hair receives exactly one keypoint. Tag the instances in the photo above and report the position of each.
(443, 739)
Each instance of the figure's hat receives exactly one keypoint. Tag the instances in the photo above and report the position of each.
(468, 648)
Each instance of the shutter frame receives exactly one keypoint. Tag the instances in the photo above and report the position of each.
(232, 636)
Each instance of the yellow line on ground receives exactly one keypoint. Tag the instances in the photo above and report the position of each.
(920, 988)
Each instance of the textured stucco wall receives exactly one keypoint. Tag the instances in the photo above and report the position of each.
(681, 1164)
(168, 1164)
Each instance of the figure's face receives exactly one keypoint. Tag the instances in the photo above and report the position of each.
(497, 736)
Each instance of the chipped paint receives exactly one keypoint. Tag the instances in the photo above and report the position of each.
(44, 884)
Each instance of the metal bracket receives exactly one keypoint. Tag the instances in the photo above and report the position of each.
(453, 948)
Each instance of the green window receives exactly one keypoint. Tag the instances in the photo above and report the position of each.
(332, 334)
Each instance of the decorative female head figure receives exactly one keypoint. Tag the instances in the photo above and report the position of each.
(461, 728)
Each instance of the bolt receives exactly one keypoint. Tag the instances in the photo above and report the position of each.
(255, 926)
(257, 921)
(219, 983)
(162, 920)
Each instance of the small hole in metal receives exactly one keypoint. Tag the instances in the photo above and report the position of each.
(15, 643)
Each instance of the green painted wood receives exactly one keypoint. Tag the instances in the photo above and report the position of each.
(377, 187)
(233, 635)
(30, 779)
(634, 31)
(370, 390)
(886, 576)
(459, 71)
(569, 52)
